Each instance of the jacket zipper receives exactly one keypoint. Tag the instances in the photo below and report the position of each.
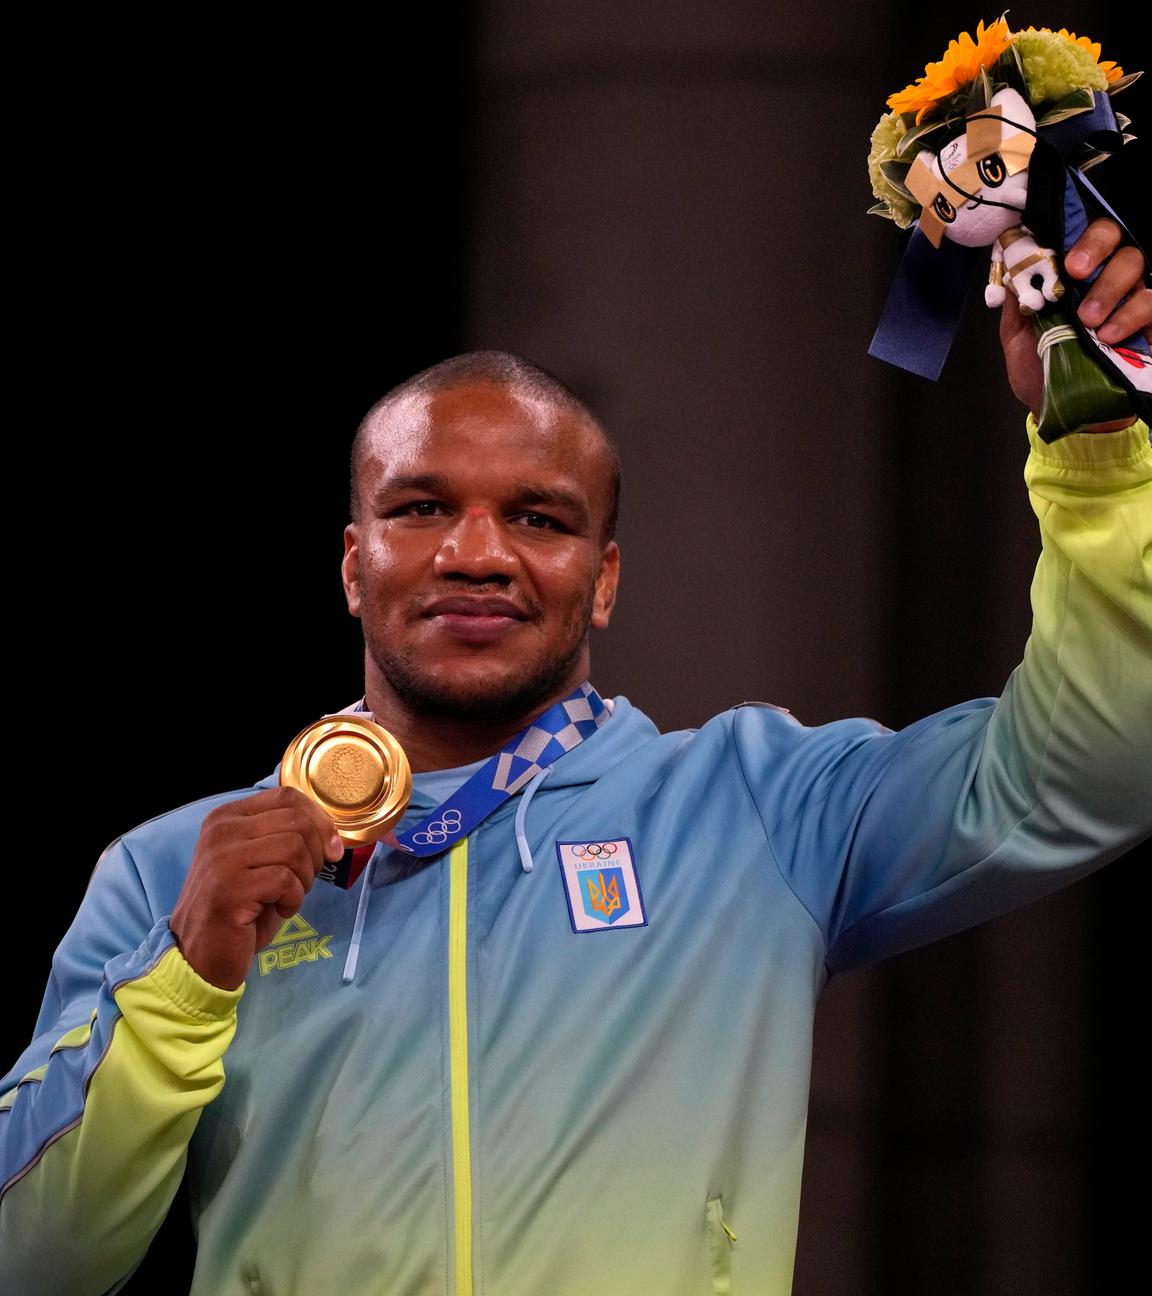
(721, 1238)
(458, 1060)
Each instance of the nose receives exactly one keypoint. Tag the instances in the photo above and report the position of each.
(476, 547)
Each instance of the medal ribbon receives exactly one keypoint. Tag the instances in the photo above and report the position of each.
(562, 727)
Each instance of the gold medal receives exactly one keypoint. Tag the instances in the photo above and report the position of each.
(355, 771)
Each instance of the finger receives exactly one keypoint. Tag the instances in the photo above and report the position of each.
(232, 840)
(289, 798)
(286, 897)
(285, 849)
(211, 915)
(333, 847)
(1092, 248)
(290, 819)
(1123, 273)
(273, 886)
(1135, 316)
(291, 899)
(259, 802)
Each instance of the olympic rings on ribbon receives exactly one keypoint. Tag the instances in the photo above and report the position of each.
(594, 850)
(439, 830)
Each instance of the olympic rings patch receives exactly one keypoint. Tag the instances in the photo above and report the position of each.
(595, 850)
(439, 830)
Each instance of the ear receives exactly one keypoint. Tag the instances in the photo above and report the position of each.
(350, 569)
(1014, 107)
(604, 597)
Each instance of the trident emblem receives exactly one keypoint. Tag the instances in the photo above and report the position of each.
(604, 895)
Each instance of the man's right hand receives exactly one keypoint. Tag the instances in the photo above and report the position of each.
(255, 861)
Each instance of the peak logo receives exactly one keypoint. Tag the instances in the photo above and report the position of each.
(296, 942)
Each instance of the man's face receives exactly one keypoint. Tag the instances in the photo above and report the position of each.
(477, 564)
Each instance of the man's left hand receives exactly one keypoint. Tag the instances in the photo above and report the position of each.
(1116, 306)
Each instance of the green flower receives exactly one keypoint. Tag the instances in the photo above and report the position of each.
(890, 130)
(1055, 65)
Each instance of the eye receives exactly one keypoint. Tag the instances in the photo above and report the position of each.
(424, 508)
(991, 170)
(944, 209)
(538, 521)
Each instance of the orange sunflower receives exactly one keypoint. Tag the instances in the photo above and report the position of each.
(962, 61)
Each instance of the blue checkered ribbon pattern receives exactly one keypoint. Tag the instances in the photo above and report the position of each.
(563, 726)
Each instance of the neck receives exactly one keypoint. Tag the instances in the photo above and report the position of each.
(438, 741)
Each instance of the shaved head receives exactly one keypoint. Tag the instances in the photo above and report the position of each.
(520, 378)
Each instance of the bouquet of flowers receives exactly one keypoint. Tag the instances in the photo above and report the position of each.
(988, 148)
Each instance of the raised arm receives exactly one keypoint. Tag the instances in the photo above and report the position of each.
(894, 839)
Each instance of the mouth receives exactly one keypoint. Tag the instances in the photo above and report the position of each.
(474, 619)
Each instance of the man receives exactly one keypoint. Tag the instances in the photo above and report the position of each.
(557, 1037)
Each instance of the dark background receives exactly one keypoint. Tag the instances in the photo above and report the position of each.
(232, 246)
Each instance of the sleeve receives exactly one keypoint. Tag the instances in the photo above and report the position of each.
(891, 840)
(96, 1116)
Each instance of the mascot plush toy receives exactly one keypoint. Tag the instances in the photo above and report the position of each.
(974, 191)
(988, 149)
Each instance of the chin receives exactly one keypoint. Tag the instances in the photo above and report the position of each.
(481, 690)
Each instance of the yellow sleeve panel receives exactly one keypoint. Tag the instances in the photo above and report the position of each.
(1085, 687)
(81, 1215)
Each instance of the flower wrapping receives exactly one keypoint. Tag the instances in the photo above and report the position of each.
(988, 149)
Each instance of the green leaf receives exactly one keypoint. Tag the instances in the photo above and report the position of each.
(1057, 115)
(917, 133)
(1125, 81)
(980, 93)
(987, 89)
(1077, 102)
(1018, 67)
(895, 173)
(954, 108)
(1078, 390)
